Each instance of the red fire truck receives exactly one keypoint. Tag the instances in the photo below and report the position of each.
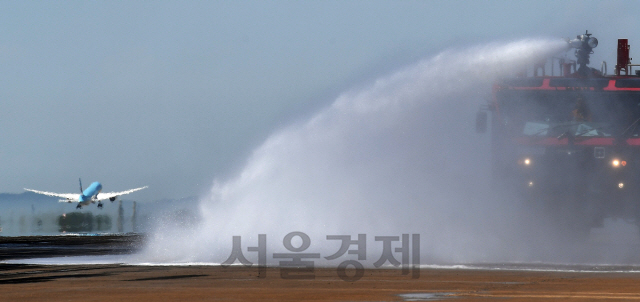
(570, 142)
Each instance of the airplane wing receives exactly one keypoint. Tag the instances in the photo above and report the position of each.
(68, 197)
(103, 196)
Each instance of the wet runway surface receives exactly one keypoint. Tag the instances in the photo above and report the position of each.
(19, 282)
(24, 281)
(68, 245)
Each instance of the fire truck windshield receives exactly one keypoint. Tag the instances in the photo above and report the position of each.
(538, 128)
(583, 113)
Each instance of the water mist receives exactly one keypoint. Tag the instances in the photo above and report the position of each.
(399, 156)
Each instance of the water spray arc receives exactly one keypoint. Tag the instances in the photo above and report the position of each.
(399, 156)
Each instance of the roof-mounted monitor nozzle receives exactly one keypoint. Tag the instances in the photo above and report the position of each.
(584, 45)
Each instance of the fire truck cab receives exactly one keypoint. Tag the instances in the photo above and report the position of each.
(571, 141)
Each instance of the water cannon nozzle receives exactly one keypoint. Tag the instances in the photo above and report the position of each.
(584, 45)
(585, 41)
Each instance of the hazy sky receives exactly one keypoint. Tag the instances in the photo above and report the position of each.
(173, 94)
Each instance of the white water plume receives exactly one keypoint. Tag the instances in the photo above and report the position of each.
(398, 156)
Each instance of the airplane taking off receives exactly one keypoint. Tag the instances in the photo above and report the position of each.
(88, 196)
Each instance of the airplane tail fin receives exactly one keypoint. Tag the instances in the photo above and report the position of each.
(80, 180)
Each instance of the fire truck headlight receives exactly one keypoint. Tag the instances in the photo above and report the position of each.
(621, 185)
(593, 42)
(616, 163)
(525, 161)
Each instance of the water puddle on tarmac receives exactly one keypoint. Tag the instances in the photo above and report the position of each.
(426, 296)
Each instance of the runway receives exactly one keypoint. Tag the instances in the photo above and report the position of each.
(68, 245)
(113, 282)
(191, 283)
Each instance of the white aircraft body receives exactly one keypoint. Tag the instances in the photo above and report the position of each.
(91, 195)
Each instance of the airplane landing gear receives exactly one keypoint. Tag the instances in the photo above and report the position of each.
(99, 205)
(78, 207)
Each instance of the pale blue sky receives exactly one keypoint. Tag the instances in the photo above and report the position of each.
(173, 94)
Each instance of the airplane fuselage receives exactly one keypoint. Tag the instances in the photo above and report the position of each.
(89, 193)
